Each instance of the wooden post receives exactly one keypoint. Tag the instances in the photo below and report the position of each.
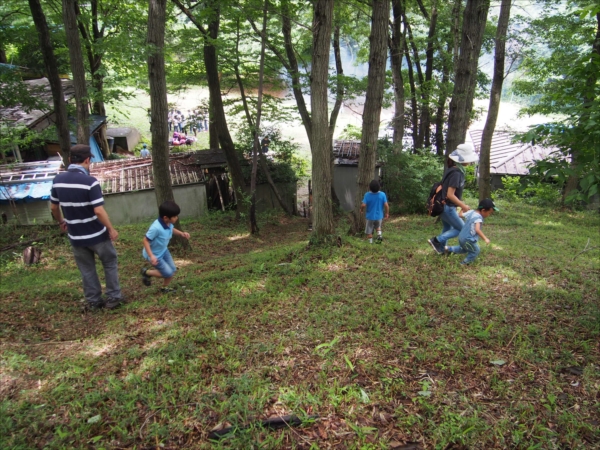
(219, 190)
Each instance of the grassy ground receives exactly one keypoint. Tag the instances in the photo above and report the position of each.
(390, 346)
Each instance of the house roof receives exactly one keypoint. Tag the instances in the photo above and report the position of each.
(508, 158)
(133, 174)
(40, 88)
(29, 182)
(347, 152)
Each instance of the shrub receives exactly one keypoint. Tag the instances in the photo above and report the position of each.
(532, 192)
(408, 179)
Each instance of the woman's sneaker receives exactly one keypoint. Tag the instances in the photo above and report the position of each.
(437, 246)
(145, 278)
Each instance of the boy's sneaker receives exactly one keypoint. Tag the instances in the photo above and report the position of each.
(379, 240)
(145, 278)
(168, 290)
(439, 248)
(447, 252)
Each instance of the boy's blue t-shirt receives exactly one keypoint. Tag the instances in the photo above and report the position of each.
(375, 202)
(159, 234)
(468, 230)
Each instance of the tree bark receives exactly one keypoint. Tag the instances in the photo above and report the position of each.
(264, 166)
(494, 106)
(396, 51)
(425, 122)
(339, 98)
(218, 120)
(413, 98)
(441, 104)
(323, 226)
(78, 70)
(474, 21)
(60, 107)
(373, 102)
(158, 101)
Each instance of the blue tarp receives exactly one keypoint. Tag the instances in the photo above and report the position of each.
(25, 193)
(97, 154)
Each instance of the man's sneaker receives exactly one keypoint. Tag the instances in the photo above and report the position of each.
(168, 290)
(145, 278)
(379, 240)
(89, 307)
(112, 303)
(439, 248)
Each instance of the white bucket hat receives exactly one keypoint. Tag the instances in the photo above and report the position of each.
(464, 153)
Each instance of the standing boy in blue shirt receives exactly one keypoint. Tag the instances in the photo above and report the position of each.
(156, 244)
(375, 202)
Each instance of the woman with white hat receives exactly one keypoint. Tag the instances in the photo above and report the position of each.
(453, 184)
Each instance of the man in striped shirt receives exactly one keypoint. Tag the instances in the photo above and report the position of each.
(79, 196)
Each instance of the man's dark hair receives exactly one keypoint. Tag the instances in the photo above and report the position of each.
(169, 209)
(374, 186)
(79, 153)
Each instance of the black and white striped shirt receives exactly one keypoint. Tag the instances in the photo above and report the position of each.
(78, 194)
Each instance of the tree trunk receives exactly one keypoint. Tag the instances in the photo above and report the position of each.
(262, 158)
(417, 128)
(474, 21)
(213, 135)
(256, 148)
(413, 98)
(495, 96)
(396, 51)
(78, 70)
(373, 102)
(339, 98)
(60, 108)
(323, 226)
(441, 104)
(425, 125)
(158, 101)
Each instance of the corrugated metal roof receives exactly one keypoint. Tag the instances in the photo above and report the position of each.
(40, 88)
(507, 158)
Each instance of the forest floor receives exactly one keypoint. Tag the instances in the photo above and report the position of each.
(370, 346)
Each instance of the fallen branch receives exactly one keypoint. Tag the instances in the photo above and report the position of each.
(31, 241)
(274, 423)
(585, 249)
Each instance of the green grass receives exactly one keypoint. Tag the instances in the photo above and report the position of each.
(386, 344)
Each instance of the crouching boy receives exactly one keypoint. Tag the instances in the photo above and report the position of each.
(156, 244)
(471, 231)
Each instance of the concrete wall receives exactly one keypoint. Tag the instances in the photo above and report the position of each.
(345, 183)
(140, 206)
(29, 213)
(266, 200)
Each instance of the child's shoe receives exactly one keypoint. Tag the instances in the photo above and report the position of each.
(145, 278)
(379, 240)
(447, 252)
(168, 290)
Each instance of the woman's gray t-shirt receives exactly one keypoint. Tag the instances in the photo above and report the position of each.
(456, 179)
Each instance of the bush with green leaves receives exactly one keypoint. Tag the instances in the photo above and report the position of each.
(530, 191)
(408, 179)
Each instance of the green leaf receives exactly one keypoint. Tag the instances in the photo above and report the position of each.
(424, 393)
(593, 191)
(94, 419)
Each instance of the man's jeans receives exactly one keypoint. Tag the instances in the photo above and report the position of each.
(85, 257)
(452, 224)
(468, 246)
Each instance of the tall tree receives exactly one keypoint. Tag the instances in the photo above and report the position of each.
(396, 45)
(217, 116)
(158, 100)
(78, 70)
(485, 186)
(373, 103)
(474, 21)
(323, 225)
(60, 107)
